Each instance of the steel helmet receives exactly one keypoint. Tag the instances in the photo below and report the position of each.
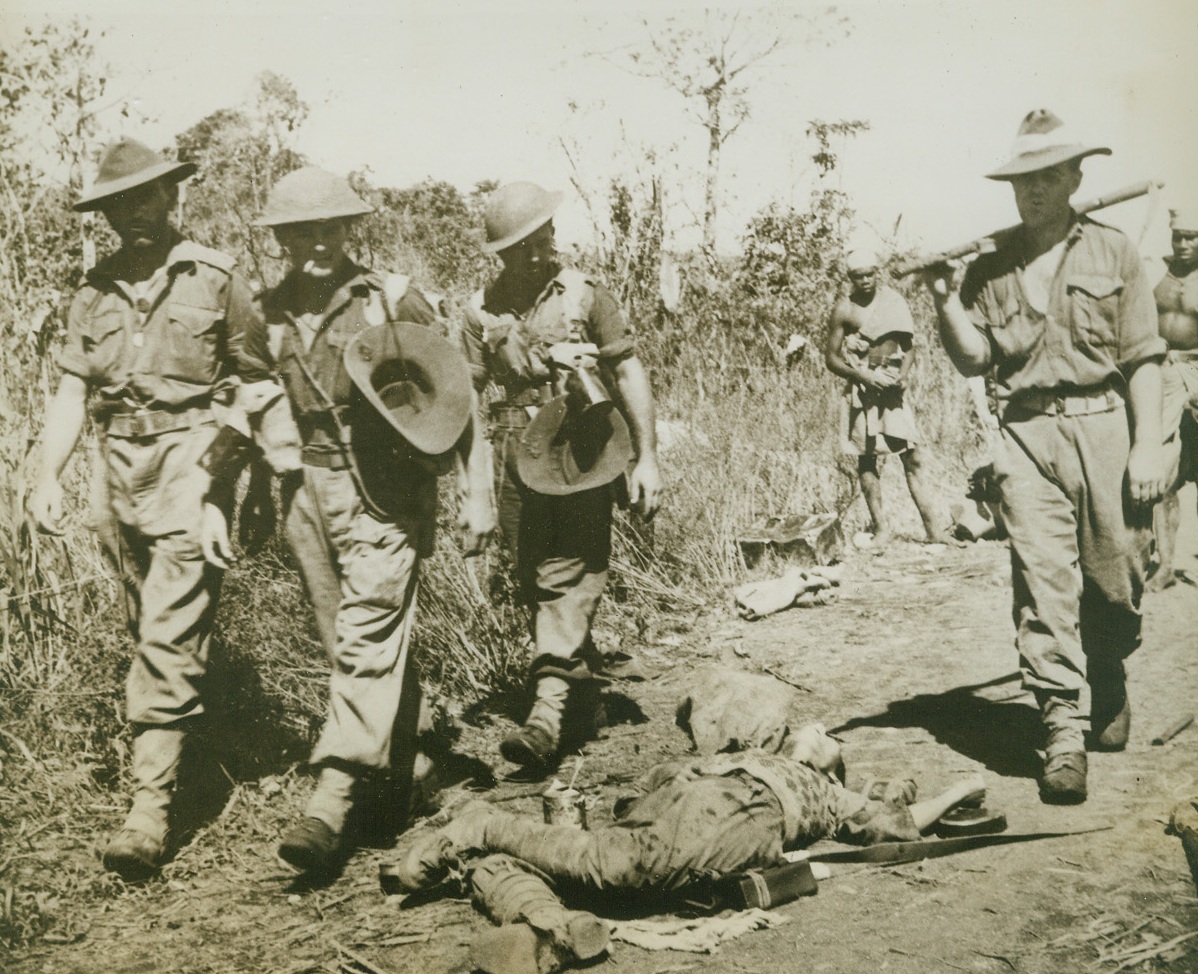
(310, 194)
(516, 210)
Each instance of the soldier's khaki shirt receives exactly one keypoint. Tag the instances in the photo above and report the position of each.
(169, 347)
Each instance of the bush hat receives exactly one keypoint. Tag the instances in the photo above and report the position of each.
(516, 210)
(416, 380)
(309, 195)
(1043, 141)
(564, 452)
(126, 164)
(1184, 218)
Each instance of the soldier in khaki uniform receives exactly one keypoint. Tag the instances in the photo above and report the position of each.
(561, 544)
(1062, 316)
(154, 329)
(362, 514)
(1177, 308)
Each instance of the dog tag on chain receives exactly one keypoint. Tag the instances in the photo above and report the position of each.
(139, 339)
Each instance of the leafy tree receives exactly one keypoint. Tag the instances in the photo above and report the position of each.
(791, 256)
(429, 231)
(240, 153)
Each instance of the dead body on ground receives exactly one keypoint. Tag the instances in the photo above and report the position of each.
(695, 819)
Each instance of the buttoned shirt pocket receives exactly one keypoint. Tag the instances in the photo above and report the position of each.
(190, 351)
(1094, 308)
(103, 342)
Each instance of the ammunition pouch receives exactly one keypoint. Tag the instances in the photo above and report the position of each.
(749, 889)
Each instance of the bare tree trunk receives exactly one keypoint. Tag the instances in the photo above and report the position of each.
(714, 142)
(81, 179)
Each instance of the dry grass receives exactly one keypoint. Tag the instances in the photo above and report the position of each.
(750, 438)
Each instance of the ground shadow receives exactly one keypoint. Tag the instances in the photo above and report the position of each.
(1003, 735)
(244, 735)
(617, 708)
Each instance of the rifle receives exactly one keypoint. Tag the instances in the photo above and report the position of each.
(990, 242)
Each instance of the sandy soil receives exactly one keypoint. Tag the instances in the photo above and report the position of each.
(914, 663)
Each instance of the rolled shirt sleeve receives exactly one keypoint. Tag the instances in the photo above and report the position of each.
(1139, 332)
(609, 327)
(72, 358)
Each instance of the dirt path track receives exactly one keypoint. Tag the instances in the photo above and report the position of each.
(892, 663)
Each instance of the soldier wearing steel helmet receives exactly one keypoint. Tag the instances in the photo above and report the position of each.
(380, 401)
(518, 331)
(153, 332)
(1062, 315)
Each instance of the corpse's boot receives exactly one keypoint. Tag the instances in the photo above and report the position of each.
(537, 935)
(1110, 708)
(314, 844)
(536, 744)
(1063, 781)
(136, 851)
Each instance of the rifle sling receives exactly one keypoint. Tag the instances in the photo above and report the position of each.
(351, 461)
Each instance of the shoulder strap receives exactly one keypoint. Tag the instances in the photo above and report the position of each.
(213, 258)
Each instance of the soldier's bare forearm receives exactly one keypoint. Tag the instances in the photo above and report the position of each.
(966, 347)
(64, 423)
(1144, 397)
(641, 411)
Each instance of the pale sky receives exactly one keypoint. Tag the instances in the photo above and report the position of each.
(464, 90)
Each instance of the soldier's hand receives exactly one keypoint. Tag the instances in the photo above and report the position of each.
(645, 486)
(214, 537)
(1146, 473)
(944, 279)
(476, 525)
(45, 506)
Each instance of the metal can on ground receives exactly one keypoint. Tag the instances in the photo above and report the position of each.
(564, 806)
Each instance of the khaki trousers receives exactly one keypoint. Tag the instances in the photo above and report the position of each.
(148, 507)
(1078, 551)
(561, 547)
(362, 576)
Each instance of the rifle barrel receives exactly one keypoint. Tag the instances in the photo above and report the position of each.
(987, 242)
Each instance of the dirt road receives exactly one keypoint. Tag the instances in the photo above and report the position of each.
(914, 663)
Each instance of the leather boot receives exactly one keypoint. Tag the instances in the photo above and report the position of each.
(314, 844)
(536, 744)
(1110, 708)
(537, 935)
(135, 852)
(1063, 781)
